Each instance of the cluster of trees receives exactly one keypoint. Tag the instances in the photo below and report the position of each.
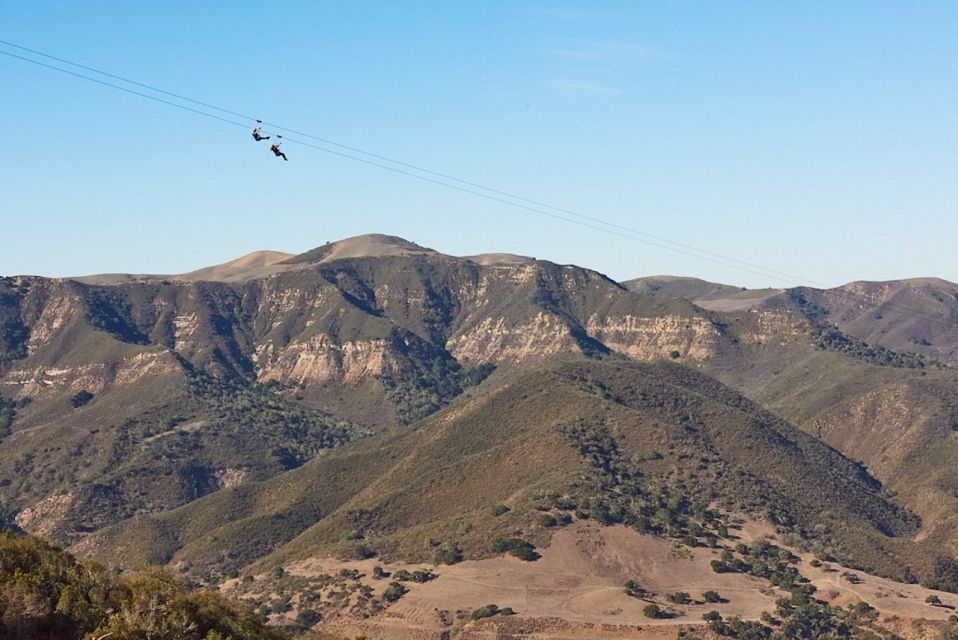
(517, 547)
(491, 610)
(419, 575)
(8, 411)
(831, 339)
(45, 593)
(421, 393)
(763, 560)
(619, 493)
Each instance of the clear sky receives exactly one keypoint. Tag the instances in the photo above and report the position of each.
(815, 138)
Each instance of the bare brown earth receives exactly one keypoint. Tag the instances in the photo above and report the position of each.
(576, 591)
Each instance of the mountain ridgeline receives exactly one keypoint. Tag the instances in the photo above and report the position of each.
(373, 397)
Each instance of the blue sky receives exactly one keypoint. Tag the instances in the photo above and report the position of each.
(815, 138)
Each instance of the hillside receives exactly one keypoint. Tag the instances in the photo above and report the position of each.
(840, 369)
(571, 439)
(917, 315)
(372, 396)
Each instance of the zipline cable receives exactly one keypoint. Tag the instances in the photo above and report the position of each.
(408, 165)
(541, 211)
(540, 208)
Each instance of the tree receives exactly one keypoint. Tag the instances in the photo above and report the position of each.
(519, 548)
(449, 553)
(633, 589)
(81, 398)
(653, 611)
(680, 597)
(394, 591)
(933, 600)
(712, 616)
(712, 596)
(485, 612)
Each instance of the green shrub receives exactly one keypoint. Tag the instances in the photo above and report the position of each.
(548, 520)
(485, 612)
(81, 398)
(712, 597)
(394, 591)
(633, 589)
(514, 546)
(653, 611)
(498, 510)
(448, 553)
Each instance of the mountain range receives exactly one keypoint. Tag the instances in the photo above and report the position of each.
(375, 398)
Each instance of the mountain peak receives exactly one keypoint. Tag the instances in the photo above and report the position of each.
(370, 245)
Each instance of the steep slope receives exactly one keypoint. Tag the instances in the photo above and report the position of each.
(651, 445)
(841, 364)
(919, 314)
(141, 396)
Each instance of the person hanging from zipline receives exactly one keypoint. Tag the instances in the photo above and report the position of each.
(256, 134)
(275, 148)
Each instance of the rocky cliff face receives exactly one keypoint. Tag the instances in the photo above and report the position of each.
(185, 375)
(339, 324)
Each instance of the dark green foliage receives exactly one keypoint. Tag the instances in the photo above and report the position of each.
(735, 627)
(548, 520)
(831, 339)
(933, 600)
(8, 411)
(489, 611)
(654, 611)
(307, 618)
(944, 575)
(46, 593)
(854, 578)
(448, 553)
(419, 575)
(680, 597)
(14, 334)
(514, 546)
(360, 552)
(81, 398)
(498, 510)
(424, 391)
(633, 589)
(712, 616)
(394, 591)
(712, 597)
